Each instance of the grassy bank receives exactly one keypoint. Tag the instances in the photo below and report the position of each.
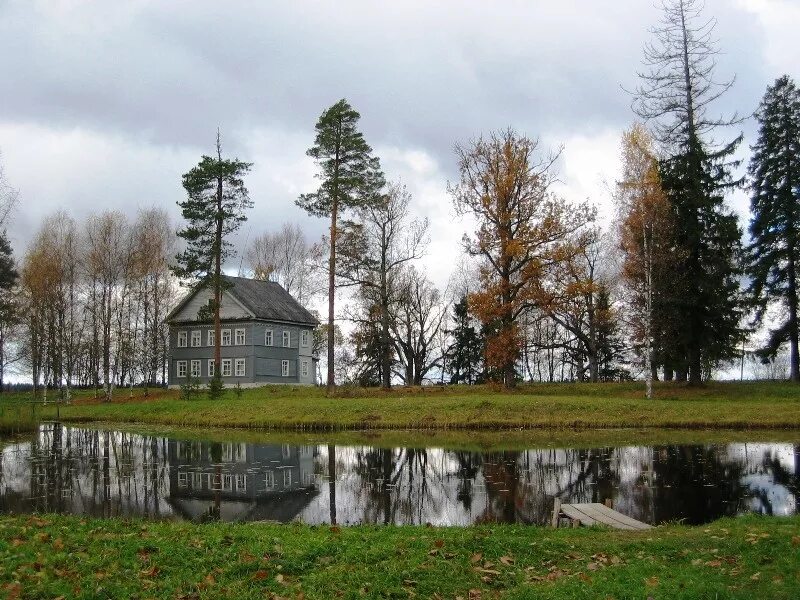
(717, 405)
(50, 556)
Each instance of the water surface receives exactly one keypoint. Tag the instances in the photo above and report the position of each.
(112, 473)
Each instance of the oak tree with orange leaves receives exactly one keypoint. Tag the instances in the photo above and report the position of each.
(523, 232)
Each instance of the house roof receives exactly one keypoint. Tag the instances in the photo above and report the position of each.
(266, 300)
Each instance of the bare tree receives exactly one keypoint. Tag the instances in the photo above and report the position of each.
(288, 258)
(374, 251)
(419, 316)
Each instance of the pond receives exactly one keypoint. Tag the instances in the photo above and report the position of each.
(111, 473)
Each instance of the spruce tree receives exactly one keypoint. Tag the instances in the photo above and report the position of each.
(464, 354)
(351, 178)
(676, 91)
(773, 253)
(213, 209)
(9, 309)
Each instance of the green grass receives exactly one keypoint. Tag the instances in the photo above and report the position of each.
(717, 405)
(58, 556)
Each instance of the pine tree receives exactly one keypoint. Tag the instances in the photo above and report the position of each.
(214, 209)
(610, 347)
(775, 206)
(351, 178)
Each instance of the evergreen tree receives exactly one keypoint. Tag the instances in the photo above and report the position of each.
(464, 354)
(775, 206)
(214, 209)
(676, 91)
(9, 309)
(351, 178)
(610, 347)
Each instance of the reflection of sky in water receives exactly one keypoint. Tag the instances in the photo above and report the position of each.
(112, 473)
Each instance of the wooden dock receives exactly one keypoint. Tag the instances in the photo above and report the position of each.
(595, 514)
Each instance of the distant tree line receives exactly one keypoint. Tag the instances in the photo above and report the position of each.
(670, 291)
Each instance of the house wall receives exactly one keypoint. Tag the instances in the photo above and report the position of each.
(229, 307)
(262, 363)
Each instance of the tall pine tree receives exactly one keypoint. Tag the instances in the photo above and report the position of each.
(351, 178)
(775, 206)
(213, 209)
(465, 353)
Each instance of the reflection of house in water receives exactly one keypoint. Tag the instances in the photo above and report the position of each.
(238, 482)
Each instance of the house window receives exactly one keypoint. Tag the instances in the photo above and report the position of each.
(195, 368)
(226, 367)
(270, 479)
(181, 339)
(211, 365)
(268, 337)
(227, 482)
(210, 337)
(181, 368)
(239, 339)
(239, 367)
(287, 338)
(182, 480)
(286, 451)
(197, 480)
(241, 483)
(287, 477)
(304, 339)
(226, 337)
(196, 339)
(304, 368)
(284, 368)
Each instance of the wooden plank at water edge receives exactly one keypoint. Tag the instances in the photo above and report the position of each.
(598, 514)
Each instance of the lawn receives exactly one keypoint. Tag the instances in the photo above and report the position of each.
(57, 556)
(561, 406)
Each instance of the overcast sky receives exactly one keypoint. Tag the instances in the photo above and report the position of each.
(106, 104)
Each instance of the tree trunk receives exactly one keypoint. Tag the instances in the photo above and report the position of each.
(218, 280)
(331, 295)
(386, 374)
(794, 356)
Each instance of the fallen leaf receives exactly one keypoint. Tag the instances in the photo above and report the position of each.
(280, 578)
(756, 576)
(151, 572)
(714, 563)
(58, 544)
(592, 566)
(476, 557)
(651, 581)
(438, 543)
(260, 574)
(474, 594)
(796, 540)
(336, 529)
(507, 560)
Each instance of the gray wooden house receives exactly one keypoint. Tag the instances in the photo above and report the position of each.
(267, 336)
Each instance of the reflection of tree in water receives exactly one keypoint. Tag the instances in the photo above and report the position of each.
(696, 483)
(781, 476)
(94, 472)
(399, 485)
(468, 466)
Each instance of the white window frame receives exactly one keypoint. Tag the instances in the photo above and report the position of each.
(226, 337)
(304, 338)
(183, 338)
(183, 480)
(194, 368)
(287, 477)
(269, 479)
(211, 365)
(210, 337)
(269, 337)
(227, 367)
(240, 362)
(240, 482)
(180, 367)
(286, 339)
(304, 368)
(197, 480)
(284, 368)
(236, 337)
(227, 482)
(197, 338)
